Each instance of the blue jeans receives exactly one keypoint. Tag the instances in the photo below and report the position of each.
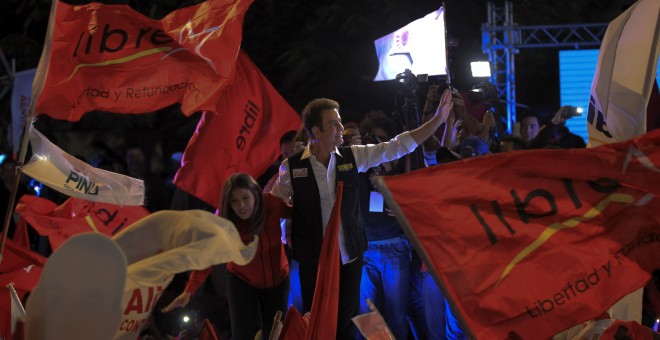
(385, 281)
(442, 324)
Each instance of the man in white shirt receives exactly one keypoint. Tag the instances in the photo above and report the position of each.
(309, 177)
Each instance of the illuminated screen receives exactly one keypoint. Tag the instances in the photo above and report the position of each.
(419, 46)
(576, 73)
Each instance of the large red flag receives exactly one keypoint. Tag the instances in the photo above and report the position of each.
(533, 242)
(242, 137)
(76, 216)
(112, 58)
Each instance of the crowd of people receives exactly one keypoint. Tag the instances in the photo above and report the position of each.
(289, 206)
(378, 261)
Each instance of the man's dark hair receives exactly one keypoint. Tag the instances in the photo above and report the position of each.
(378, 119)
(288, 136)
(311, 115)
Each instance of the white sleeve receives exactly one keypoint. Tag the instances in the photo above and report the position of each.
(282, 187)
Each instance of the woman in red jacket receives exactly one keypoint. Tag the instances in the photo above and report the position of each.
(263, 284)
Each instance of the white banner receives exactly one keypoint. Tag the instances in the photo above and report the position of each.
(624, 75)
(419, 46)
(21, 97)
(62, 172)
(166, 243)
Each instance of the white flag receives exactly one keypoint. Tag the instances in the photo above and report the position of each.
(21, 96)
(624, 75)
(60, 171)
(166, 243)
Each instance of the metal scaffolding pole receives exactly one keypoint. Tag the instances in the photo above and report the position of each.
(502, 38)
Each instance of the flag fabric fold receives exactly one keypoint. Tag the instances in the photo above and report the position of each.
(112, 58)
(624, 76)
(534, 242)
(294, 326)
(75, 216)
(166, 243)
(241, 136)
(323, 314)
(70, 176)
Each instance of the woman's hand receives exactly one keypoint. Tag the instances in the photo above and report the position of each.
(180, 301)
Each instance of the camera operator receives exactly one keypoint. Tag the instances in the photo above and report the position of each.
(556, 135)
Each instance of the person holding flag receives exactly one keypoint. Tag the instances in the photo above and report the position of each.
(309, 177)
(261, 286)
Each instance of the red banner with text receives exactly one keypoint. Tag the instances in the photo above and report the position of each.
(112, 58)
(242, 137)
(76, 216)
(533, 242)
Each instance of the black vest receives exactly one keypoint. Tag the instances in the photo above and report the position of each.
(307, 224)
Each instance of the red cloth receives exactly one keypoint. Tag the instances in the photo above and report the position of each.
(112, 58)
(242, 137)
(269, 267)
(19, 266)
(323, 314)
(294, 326)
(61, 222)
(208, 333)
(533, 242)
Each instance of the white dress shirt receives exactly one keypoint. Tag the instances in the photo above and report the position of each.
(366, 157)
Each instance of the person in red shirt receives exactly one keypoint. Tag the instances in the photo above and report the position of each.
(261, 286)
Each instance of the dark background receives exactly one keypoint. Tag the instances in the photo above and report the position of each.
(308, 49)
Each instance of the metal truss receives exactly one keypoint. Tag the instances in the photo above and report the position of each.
(502, 38)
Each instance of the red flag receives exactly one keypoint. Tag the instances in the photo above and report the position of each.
(16, 257)
(294, 327)
(76, 216)
(323, 315)
(243, 137)
(112, 58)
(530, 243)
(22, 267)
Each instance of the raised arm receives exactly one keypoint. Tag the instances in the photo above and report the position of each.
(425, 131)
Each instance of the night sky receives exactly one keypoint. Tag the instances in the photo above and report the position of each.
(324, 48)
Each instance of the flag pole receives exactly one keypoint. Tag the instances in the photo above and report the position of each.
(379, 183)
(37, 86)
(17, 179)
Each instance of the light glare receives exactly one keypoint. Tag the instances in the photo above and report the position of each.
(480, 69)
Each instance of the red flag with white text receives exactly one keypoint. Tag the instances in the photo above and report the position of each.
(76, 216)
(534, 242)
(242, 137)
(112, 58)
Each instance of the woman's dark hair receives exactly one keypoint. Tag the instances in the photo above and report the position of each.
(244, 181)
